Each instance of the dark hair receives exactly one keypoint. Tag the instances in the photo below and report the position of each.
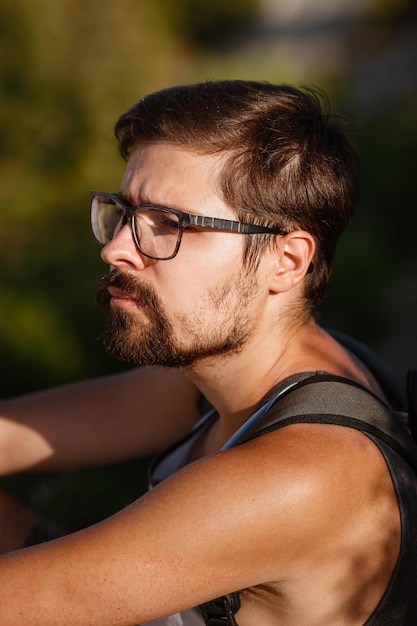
(288, 161)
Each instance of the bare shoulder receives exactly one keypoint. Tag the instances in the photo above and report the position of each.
(305, 519)
(295, 496)
(323, 467)
(307, 513)
(329, 524)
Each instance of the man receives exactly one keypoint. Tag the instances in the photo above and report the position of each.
(220, 243)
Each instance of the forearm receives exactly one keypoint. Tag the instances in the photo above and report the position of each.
(22, 445)
(95, 422)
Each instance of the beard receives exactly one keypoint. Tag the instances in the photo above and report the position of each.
(154, 342)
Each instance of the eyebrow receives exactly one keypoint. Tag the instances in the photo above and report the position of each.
(125, 198)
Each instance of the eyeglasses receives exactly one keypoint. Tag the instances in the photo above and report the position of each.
(157, 230)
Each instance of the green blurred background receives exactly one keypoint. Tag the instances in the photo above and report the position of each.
(69, 68)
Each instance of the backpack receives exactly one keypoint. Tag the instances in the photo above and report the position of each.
(329, 399)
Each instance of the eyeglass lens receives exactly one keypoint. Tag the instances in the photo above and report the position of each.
(156, 231)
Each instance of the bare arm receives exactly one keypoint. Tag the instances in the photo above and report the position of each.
(267, 511)
(98, 421)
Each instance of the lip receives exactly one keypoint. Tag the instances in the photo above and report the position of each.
(121, 299)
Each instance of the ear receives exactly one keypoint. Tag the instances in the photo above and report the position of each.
(293, 256)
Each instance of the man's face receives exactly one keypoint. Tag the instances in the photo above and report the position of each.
(196, 305)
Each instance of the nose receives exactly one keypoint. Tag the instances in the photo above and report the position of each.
(121, 251)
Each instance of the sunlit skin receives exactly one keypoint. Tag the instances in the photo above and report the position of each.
(305, 519)
(205, 278)
(192, 284)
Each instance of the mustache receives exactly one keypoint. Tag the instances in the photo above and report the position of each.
(129, 285)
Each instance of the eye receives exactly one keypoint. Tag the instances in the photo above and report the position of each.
(193, 229)
(169, 223)
(163, 221)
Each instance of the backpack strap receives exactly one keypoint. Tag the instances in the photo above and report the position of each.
(221, 611)
(412, 401)
(328, 399)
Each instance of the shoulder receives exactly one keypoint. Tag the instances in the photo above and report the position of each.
(295, 492)
(297, 508)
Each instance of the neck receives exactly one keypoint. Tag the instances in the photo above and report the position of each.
(236, 383)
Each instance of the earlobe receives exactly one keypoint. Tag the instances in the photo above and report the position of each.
(294, 260)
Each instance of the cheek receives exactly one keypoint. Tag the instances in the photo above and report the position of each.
(189, 291)
(212, 245)
(184, 290)
(202, 264)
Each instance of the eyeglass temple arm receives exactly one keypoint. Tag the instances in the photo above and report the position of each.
(230, 225)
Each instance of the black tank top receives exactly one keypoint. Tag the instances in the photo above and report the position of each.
(398, 607)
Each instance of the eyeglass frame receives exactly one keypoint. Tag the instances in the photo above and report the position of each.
(184, 220)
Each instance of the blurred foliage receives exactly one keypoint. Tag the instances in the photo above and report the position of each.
(209, 23)
(380, 244)
(67, 71)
